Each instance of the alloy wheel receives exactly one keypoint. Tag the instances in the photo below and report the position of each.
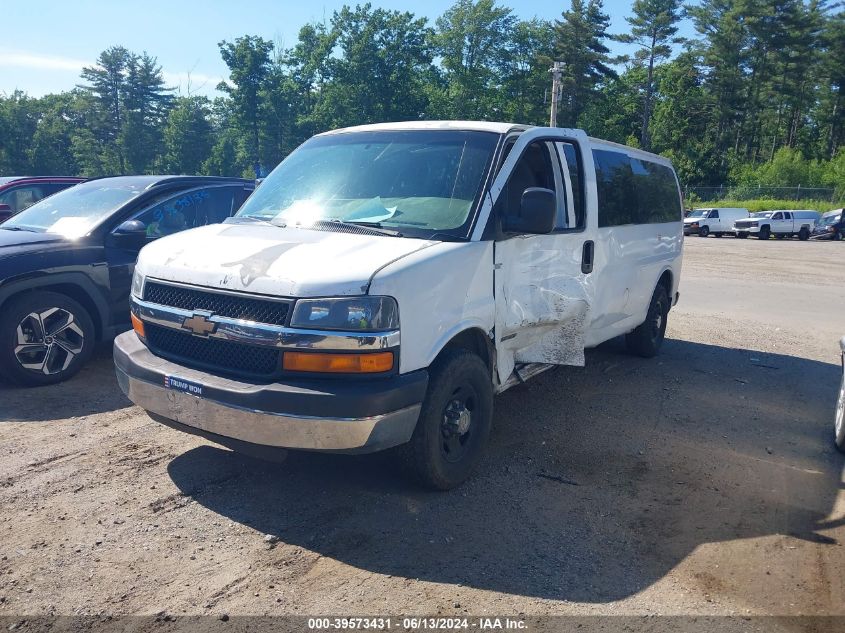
(48, 341)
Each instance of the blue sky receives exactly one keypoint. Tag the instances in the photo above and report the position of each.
(45, 44)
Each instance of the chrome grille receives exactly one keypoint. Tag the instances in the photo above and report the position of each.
(223, 304)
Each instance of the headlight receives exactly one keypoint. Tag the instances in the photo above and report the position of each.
(368, 314)
(694, 225)
(137, 284)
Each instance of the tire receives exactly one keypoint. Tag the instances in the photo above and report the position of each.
(742, 236)
(646, 340)
(45, 338)
(839, 419)
(445, 445)
(837, 236)
(765, 233)
(704, 231)
(804, 234)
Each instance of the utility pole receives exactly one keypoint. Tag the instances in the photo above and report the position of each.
(556, 71)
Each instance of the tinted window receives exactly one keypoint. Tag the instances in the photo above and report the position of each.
(188, 210)
(714, 214)
(635, 191)
(617, 191)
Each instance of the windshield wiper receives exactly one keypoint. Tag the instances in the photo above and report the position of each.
(376, 227)
(18, 228)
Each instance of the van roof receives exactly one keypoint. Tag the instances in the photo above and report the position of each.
(485, 126)
(479, 126)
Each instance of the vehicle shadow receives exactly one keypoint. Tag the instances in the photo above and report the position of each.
(93, 390)
(597, 483)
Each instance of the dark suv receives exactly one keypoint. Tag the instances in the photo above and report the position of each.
(19, 192)
(66, 263)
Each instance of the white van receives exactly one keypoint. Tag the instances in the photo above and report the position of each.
(713, 221)
(385, 281)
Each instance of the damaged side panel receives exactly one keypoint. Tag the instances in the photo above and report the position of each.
(543, 304)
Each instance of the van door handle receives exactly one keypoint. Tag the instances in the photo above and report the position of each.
(587, 254)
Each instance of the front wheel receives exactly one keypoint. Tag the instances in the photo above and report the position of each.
(765, 233)
(704, 231)
(646, 340)
(45, 337)
(454, 422)
(839, 420)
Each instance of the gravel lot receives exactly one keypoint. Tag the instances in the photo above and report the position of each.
(700, 482)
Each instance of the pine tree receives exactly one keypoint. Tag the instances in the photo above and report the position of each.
(653, 28)
(579, 44)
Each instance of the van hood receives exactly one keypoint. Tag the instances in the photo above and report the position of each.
(263, 259)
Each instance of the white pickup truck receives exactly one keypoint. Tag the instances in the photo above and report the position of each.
(781, 224)
(385, 281)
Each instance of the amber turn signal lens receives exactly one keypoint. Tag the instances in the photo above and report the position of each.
(137, 325)
(339, 363)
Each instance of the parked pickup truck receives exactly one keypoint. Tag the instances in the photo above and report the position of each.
(781, 224)
(385, 281)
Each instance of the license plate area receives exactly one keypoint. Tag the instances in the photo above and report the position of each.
(184, 386)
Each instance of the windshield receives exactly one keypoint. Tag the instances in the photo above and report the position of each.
(699, 213)
(415, 182)
(75, 211)
(828, 220)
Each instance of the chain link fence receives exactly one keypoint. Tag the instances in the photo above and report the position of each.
(753, 192)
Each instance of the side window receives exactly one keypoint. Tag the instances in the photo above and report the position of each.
(787, 216)
(22, 197)
(617, 191)
(571, 158)
(714, 214)
(534, 168)
(777, 216)
(187, 210)
(658, 197)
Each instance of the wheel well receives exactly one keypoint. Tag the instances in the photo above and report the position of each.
(474, 340)
(666, 281)
(74, 292)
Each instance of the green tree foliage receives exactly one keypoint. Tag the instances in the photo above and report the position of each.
(654, 24)
(755, 99)
(580, 37)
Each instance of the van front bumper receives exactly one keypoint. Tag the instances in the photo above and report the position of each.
(334, 415)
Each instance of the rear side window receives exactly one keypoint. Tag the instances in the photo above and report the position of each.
(635, 191)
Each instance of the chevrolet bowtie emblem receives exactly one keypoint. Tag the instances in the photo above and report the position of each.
(199, 325)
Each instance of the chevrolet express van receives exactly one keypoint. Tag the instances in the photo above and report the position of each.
(716, 221)
(385, 281)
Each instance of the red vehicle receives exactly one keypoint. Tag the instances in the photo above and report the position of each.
(19, 192)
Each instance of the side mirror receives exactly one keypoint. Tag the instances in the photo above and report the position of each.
(129, 234)
(5, 212)
(537, 213)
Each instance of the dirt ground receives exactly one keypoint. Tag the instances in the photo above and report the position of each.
(700, 482)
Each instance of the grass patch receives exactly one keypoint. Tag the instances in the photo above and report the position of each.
(764, 204)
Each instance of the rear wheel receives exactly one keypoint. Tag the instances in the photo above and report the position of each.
(646, 340)
(45, 337)
(704, 231)
(804, 234)
(765, 233)
(454, 422)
